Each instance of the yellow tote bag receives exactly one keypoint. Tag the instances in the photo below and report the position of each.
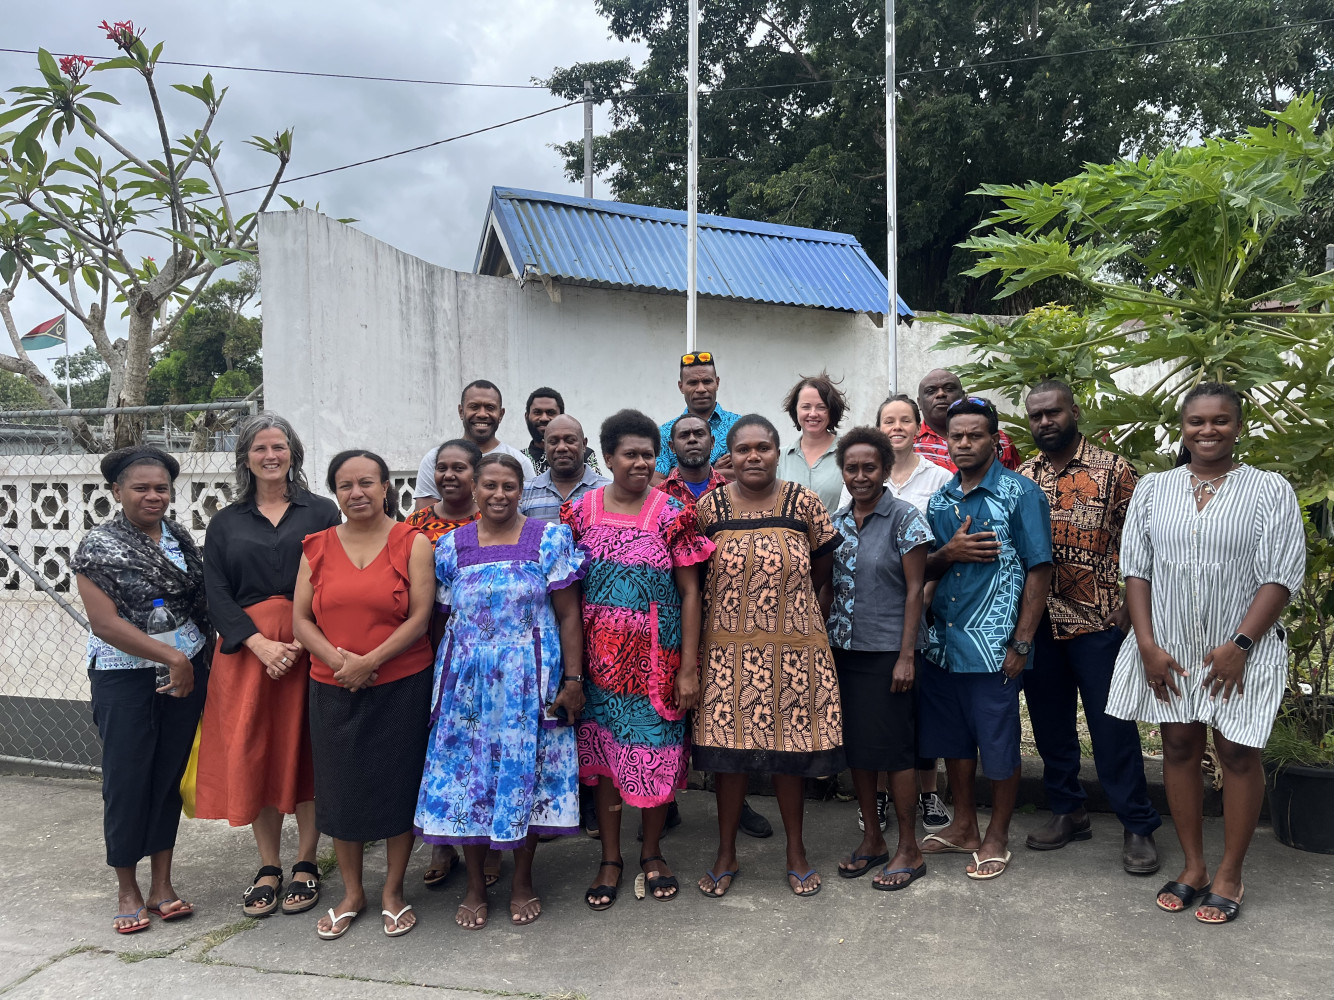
(191, 774)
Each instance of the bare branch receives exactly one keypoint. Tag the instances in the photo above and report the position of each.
(110, 140)
(796, 49)
(268, 196)
(226, 205)
(54, 292)
(180, 221)
(199, 142)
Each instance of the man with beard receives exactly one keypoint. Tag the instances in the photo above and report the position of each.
(698, 383)
(691, 441)
(994, 573)
(544, 404)
(481, 410)
(567, 477)
(936, 393)
(1076, 643)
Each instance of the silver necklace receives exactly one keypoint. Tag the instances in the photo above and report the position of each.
(1202, 488)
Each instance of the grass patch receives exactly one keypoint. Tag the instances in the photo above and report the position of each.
(131, 957)
(216, 937)
(327, 862)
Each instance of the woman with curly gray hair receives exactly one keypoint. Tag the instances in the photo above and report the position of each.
(254, 748)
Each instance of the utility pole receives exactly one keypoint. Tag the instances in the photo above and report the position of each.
(891, 202)
(588, 138)
(692, 174)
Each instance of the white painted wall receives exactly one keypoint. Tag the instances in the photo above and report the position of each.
(367, 346)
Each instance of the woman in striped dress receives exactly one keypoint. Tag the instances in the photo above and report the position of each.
(1211, 553)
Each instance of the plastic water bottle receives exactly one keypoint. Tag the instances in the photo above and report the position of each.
(162, 627)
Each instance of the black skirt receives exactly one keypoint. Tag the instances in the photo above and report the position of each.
(879, 726)
(368, 748)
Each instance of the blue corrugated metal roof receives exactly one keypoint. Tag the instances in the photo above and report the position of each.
(616, 245)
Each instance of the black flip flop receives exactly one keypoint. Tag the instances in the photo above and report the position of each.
(1186, 893)
(871, 861)
(662, 881)
(913, 875)
(1230, 908)
(609, 891)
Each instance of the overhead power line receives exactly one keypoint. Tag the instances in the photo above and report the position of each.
(983, 64)
(401, 152)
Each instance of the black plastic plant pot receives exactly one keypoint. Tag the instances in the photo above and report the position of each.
(1301, 807)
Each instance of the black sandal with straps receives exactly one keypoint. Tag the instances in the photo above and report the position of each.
(263, 896)
(592, 895)
(661, 881)
(302, 894)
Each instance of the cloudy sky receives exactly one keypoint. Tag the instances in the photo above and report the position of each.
(429, 203)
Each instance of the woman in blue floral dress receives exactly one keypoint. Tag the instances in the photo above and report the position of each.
(502, 764)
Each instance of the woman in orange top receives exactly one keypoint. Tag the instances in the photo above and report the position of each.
(363, 598)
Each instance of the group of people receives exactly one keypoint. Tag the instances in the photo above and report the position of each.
(874, 599)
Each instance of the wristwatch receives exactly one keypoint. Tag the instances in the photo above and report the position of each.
(1021, 647)
(1243, 642)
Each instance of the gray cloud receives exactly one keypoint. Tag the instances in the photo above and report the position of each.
(431, 203)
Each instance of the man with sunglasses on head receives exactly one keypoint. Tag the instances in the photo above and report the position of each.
(995, 571)
(698, 383)
(936, 393)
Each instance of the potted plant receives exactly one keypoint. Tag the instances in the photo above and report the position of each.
(1299, 759)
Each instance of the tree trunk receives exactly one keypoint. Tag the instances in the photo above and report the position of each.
(128, 429)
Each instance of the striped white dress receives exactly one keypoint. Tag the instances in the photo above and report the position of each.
(1205, 569)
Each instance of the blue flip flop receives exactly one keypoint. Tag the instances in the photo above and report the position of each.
(715, 879)
(801, 879)
(133, 928)
(913, 875)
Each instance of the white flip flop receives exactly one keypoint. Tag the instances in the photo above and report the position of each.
(333, 933)
(397, 931)
(977, 873)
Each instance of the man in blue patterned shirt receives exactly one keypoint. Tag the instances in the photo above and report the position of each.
(698, 383)
(994, 572)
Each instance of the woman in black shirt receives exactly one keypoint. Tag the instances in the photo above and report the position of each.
(254, 749)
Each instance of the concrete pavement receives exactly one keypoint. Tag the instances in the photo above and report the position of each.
(1059, 924)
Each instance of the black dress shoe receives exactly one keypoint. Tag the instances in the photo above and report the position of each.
(1139, 855)
(1060, 830)
(753, 824)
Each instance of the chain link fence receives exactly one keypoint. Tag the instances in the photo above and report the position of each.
(51, 494)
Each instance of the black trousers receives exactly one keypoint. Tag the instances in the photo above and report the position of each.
(146, 740)
(1081, 667)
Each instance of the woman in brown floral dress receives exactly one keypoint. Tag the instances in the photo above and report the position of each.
(769, 692)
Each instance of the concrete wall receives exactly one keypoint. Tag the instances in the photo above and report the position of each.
(367, 346)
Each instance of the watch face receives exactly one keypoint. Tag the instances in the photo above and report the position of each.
(1022, 648)
(1244, 641)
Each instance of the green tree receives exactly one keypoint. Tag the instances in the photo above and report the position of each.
(69, 217)
(216, 342)
(987, 93)
(1163, 247)
(17, 393)
(89, 378)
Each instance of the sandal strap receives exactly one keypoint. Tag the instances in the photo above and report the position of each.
(268, 871)
(656, 857)
(615, 864)
(308, 868)
(263, 894)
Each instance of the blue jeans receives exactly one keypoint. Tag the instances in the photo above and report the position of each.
(1082, 665)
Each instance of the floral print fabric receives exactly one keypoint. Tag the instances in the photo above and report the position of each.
(496, 767)
(769, 691)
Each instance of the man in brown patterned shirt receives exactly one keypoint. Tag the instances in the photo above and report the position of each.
(1076, 644)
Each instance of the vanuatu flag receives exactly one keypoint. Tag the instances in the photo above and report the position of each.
(45, 335)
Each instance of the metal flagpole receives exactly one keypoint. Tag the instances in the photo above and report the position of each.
(68, 405)
(892, 202)
(692, 174)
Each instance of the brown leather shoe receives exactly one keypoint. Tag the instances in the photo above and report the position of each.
(1060, 830)
(1139, 855)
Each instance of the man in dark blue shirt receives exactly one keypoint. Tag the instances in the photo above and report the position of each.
(994, 572)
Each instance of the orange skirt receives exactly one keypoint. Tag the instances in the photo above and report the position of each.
(254, 747)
